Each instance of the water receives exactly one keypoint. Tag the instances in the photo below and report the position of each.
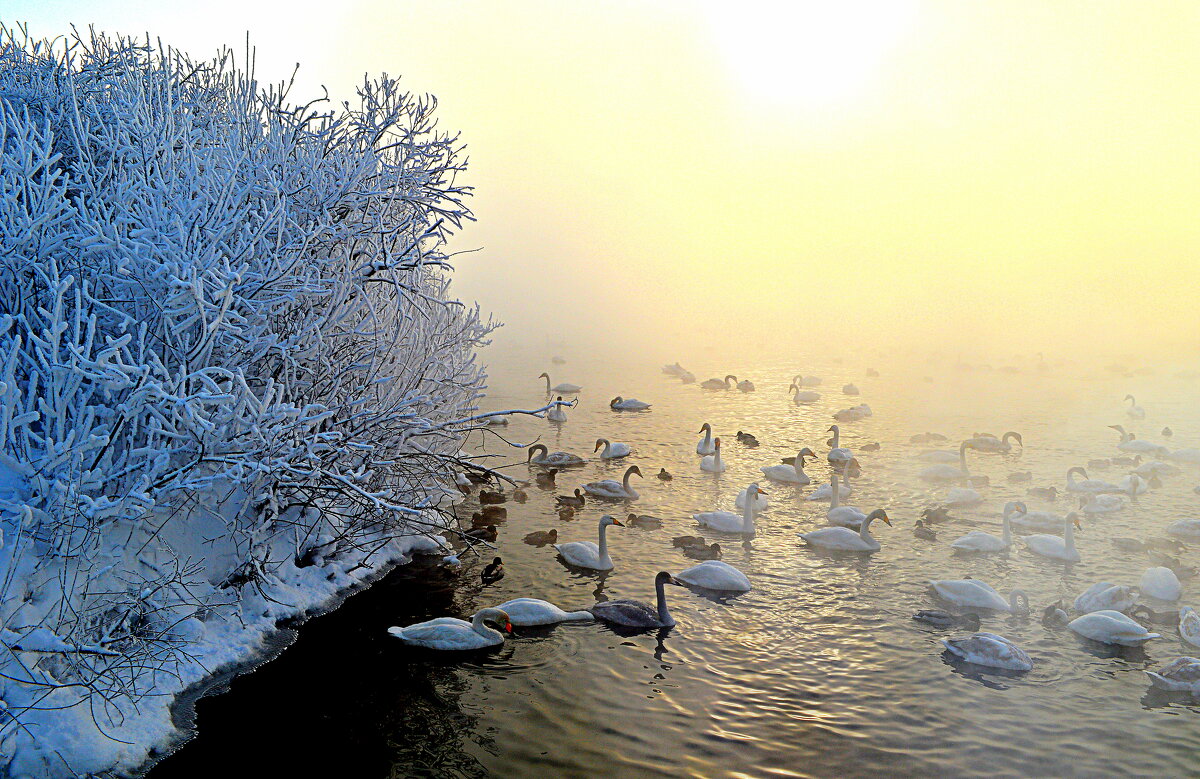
(819, 670)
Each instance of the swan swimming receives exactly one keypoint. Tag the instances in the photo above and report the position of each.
(983, 442)
(1106, 596)
(1134, 411)
(530, 612)
(803, 395)
(564, 387)
(845, 516)
(1111, 627)
(705, 445)
(636, 614)
(727, 521)
(615, 490)
(612, 451)
(1180, 675)
(556, 460)
(1088, 485)
(792, 474)
(845, 539)
(718, 384)
(557, 412)
(1161, 583)
(452, 634)
(585, 554)
(627, 404)
(825, 491)
(946, 472)
(1130, 443)
(715, 575)
(979, 541)
(712, 463)
(976, 594)
(838, 455)
(990, 650)
(1053, 546)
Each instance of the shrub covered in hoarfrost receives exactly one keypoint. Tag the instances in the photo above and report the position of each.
(227, 359)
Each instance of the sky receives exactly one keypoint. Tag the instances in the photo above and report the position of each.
(978, 178)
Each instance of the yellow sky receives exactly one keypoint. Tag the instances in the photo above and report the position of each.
(1016, 176)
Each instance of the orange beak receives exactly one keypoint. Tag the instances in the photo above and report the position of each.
(884, 517)
(762, 491)
(508, 626)
(618, 522)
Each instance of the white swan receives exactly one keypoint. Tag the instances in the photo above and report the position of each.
(806, 381)
(555, 460)
(845, 516)
(1088, 485)
(1111, 627)
(557, 412)
(1062, 548)
(963, 496)
(979, 595)
(627, 404)
(990, 443)
(1189, 625)
(1134, 411)
(564, 387)
(615, 490)
(803, 395)
(760, 503)
(705, 445)
(825, 491)
(853, 414)
(1036, 521)
(1155, 468)
(712, 463)
(1180, 675)
(745, 385)
(1187, 529)
(845, 539)
(636, 614)
(1185, 455)
(1134, 485)
(938, 456)
(727, 521)
(611, 451)
(991, 650)
(849, 389)
(452, 634)
(674, 370)
(529, 612)
(1162, 583)
(792, 474)
(1130, 443)
(687, 377)
(718, 384)
(585, 554)
(715, 575)
(946, 472)
(1106, 596)
(979, 541)
(1096, 503)
(838, 455)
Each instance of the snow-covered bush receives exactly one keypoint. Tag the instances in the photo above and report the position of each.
(227, 357)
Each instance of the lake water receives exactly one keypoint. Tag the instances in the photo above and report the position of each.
(819, 670)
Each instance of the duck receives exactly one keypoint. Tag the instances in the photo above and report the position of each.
(985, 442)
(1144, 614)
(1100, 463)
(803, 395)
(872, 373)
(558, 411)
(564, 387)
(705, 445)
(493, 513)
(871, 447)
(1062, 548)
(627, 612)
(727, 521)
(921, 530)
(838, 455)
(979, 541)
(990, 650)
(1131, 443)
(643, 521)
(546, 478)
(1167, 433)
(1111, 627)
(1106, 596)
(520, 495)
(1189, 625)
(718, 384)
(555, 460)
(760, 503)
(683, 542)
(712, 463)
(1102, 503)
(627, 404)
(612, 451)
(1180, 675)
(663, 475)
(944, 619)
(1162, 583)
(792, 474)
(610, 489)
(745, 385)
(492, 497)
(1045, 493)
(542, 537)
(451, 634)
(566, 513)
(493, 572)
(1134, 411)
(715, 575)
(935, 514)
(746, 439)
(850, 389)
(585, 554)
(485, 533)
(531, 612)
(842, 538)
(1088, 485)
(574, 501)
(825, 491)
(973, 593)
(702, 552)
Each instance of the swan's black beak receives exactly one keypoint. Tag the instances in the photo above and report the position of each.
(676, 582)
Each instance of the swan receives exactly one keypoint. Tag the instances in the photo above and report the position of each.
(838, 455)
(843, 538)
(1134, 485)
(806, 381)
(1106, 596)
(585, 554)
(1063, 548)
(984, 442)
(938, 456)
(450, 633)
(991, 650)
(727, 521)
(946, 472)
(1161, 583)
(1037, 521)
(564, 387)
(963, 496)
(792, 474)
(1185, 455)
(853, 414)
(1130, 443)
(557, 412)
(636, 614)
(1134, 411)
(612, 451)
(530, 612)
(718, 384)
(674, 370)
(803, 395)
(715, 575)
(1189, 625)
(760, 503)
(845, 516)
(1088, 485)
(712, 463)
(632, 404)
(1155, 468)
(979, 541)
(979, 595)
(1111, 627)
(850, 389)
(944, 619)
(1101, 503)
(825, 491)
(705, 445)
(687, 377)
(1187, 529)
(1180, 675)
(556, 460)
(614, 490)
(744, 385)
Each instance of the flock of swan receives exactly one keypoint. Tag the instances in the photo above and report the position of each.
(1104, 612)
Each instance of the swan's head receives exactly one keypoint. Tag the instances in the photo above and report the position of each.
(609, 519)
(1073, 519)
(1077, 469)
(834, 429)
(544, 376)
(754, 489)
(717, 443)
(1014, 506)
(615, 400)
(633, 470)
(879, 514)
(1130, 397)
(497, 617)
(806, 452)
(599, 443)
(705, 427)
(665, 578)
(730, 377)
(792, 387)
(1016, 437)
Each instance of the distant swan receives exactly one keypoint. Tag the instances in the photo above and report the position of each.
(564, 387)
(1131, 443)
(792, 474)
(838, 455)
(718, 384)
(979, 541)
(727, 521)
(1093, 503)
(705, 446)
(612, 451)
(1088, 485)
(1111, 627)
(1134, 411)
(636, 614)
(632, 404)
(806, 381)
(557, 459)
(1106, 595)
(803, 396)
(529, 612)
(846, 516)
(712, 463)
(585, 554)
(825, 491)
(557, 412)
(990, 650)
(715, 575)
(845, 539)
(976, 594)
(990, 443)
(745, 385)
(1052, 546)
(946, 472)
(452, 634)
(614, 490)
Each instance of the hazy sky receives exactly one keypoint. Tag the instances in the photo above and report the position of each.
(1016, 176)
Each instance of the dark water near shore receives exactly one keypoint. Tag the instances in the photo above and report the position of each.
(818, 671)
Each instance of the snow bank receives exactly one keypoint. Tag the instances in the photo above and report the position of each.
(232, 380)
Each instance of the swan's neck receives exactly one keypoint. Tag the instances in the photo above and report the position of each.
(864, 532)
(547, 378)
(1006, 533)
(748, 513)
(482, 629)
(837, 437)
(625, 481)
(664, 616)
(707, 436)
(962, 459)
(607, 449)
(717, 457)
(1069, 535)
(836, 493)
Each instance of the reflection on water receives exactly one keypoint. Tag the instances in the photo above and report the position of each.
(820, 668)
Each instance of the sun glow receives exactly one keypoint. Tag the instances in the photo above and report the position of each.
(807, 51)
